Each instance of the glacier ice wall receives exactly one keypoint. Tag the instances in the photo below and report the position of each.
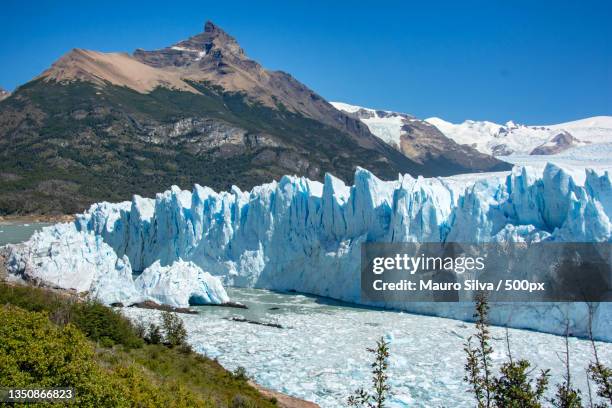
(303, 235)
(62, 256)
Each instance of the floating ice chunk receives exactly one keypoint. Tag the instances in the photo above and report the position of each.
(180, 285)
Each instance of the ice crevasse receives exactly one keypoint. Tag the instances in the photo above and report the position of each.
(303, 235)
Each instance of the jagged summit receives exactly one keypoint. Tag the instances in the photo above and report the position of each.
(517, 139)
(417, 139)
(212, 42)
(214, 57)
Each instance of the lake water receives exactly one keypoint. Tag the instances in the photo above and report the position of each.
(13, 232)
(320, 353)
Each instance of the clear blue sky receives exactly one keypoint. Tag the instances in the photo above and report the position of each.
(536, 62)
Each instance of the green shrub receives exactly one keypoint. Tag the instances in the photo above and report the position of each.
(514, 387)
(36, 352)
(176, 334)
(240, 374)
(380, 380)
(33, 299)
(602, 376)
(98, 322)
(154, 335)
(241, 401)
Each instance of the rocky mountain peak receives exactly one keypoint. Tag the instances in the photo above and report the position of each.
(213, 44)
(560, 142)
(212, 28)
(212, 37)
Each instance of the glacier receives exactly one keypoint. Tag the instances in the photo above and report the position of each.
(303, 235)
(181, 284)
(63, 257)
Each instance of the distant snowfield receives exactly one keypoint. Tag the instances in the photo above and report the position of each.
(516, 139)
(387, 127)
(596, 156)
(593, 148)
(574, 161)
(485, 136)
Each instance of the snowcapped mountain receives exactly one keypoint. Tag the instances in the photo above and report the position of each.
(419, 140)
(386, 125)
(486, 137)
(515, 139)
(4, 94)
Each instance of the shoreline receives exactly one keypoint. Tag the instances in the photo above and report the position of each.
(283, 400)
(36, 218)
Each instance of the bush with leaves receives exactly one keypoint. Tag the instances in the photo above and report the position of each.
(567, 396)
(98, 322)
(241, 401)
(478, 365)
(602, 376)
(35, 352)
(381, 388)
(102, 323)
(153, 334)
(513, 387)
(240, 374)
(174, 329)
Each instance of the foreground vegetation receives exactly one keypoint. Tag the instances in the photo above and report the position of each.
(50, 340)
(515, 385)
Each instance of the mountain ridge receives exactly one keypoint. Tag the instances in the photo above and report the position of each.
(116, 68)
(216, 57)
(417, 139)
(104, 126)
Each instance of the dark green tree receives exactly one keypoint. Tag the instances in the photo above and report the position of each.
(602, 377)
(154, 335)
(174, 328)
(478, 349)
(567, 396)
(381, 388)
(513, 388)
(599, 373)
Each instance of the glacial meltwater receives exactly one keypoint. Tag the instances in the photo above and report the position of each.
(319, 352)
(14, 232)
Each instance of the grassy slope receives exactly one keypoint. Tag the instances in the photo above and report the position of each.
(48, 339)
